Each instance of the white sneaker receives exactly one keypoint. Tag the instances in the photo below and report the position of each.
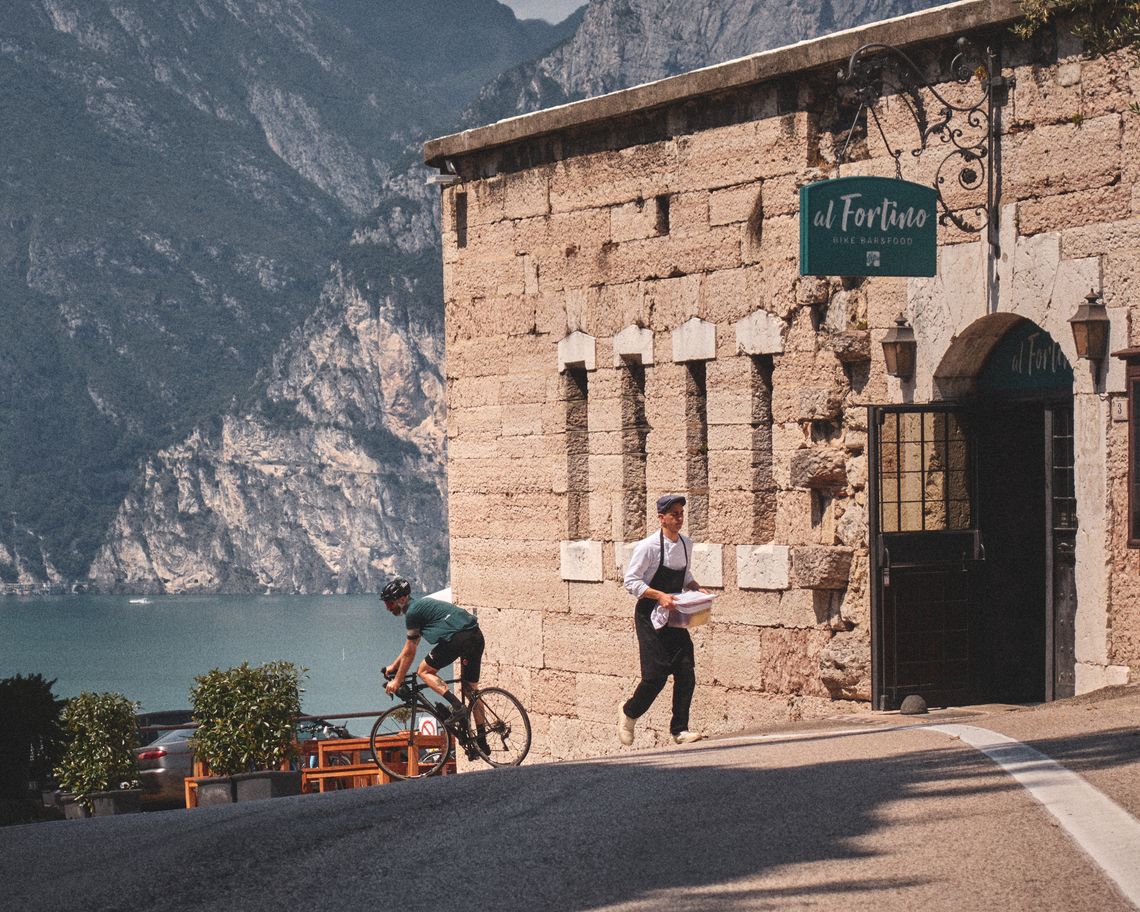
(687, 737)
(625, 728)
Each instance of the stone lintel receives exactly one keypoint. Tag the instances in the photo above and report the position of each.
(707, 565)
(694, 340)
(633, 344)
(582, 561)
(760, 333)
(763, 566)
(577, 350)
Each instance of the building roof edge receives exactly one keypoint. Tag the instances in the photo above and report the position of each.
(913, 28)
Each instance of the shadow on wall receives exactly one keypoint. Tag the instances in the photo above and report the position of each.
(560, 837)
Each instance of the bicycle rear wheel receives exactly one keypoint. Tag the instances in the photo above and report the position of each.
(403, 751)
(507, 726)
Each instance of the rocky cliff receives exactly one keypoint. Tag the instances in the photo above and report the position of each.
(175, 180)
(621, 43)
(192, 396)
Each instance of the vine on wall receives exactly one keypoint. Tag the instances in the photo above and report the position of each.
(1103, 25)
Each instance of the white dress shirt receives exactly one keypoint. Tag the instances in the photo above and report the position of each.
(646, 558)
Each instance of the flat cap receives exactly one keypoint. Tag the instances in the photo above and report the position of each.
(665, 501)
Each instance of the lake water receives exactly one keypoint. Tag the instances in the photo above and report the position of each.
(152, 652)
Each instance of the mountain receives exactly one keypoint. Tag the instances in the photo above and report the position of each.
(220, 280)
(622, 43)
(176, 179)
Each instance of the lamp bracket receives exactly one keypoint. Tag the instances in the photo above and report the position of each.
(968, 128)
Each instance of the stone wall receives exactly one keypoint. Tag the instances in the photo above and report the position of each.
(652, 287)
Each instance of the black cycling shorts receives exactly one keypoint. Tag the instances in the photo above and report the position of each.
(466, 645)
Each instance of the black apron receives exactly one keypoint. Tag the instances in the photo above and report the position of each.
(662, 651)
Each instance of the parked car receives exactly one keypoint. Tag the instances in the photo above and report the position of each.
(164, 764)
(166, 761)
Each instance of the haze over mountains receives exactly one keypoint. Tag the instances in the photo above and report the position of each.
(219, 269)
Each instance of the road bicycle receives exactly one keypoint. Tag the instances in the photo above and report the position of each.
(417, 737)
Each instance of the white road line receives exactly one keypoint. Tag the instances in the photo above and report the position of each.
(1100, 826)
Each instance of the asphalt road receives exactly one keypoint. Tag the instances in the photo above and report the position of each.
(872, 814)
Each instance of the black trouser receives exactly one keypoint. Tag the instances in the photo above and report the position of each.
(664, 652)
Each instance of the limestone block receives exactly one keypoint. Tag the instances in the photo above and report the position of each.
(707, 565)
(485, 201)
(581, 560)
(1069, 210)
(773, 660)
(733, 436)
(463, 392)
(623, 551)
(1091, 677)
(734, 204)
(597, 696)
(1062, 157)
(606, 600)
(1107, 83)
(666, 256)
(672, 301)
(689, 213)
(851, 529)
(577, 350)
(725, 295)
(850, 347)
(527, 193)
(760, 333)
(498, 667)
(514, 633)
(515, 516)
(607, 645)
(633, 344)
(763, 566)
(552, 692)
(636, 219)
(793, 517)
(820, 467)
(524, 419)
(732, 515)
(694, 340)
(845, 666)
(821, 567)
(732, 470)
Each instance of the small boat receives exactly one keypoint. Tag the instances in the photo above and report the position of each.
(140, 601)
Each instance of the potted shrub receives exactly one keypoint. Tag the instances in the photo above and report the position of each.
(97, 773)
(245, 719)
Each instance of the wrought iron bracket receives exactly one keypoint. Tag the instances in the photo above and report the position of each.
(971, 129)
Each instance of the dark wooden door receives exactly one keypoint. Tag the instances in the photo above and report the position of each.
(926, 552)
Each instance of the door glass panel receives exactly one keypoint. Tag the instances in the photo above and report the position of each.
(923, 473)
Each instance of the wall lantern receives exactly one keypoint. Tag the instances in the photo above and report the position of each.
(899, 348)
(1090, 328)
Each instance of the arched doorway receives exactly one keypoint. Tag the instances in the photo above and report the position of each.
(973, 523)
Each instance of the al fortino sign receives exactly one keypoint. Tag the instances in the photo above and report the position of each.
(865, 226)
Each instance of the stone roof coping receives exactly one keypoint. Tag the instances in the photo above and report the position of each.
(913, 28)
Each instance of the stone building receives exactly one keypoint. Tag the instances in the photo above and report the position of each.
(626, 316)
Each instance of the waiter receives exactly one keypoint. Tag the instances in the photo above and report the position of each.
(657, 570)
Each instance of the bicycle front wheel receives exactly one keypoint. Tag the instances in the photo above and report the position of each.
(402, 750)
(500, 716)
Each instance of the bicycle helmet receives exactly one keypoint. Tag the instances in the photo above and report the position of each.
(395, 588)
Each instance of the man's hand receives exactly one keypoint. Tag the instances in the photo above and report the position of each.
(392, 686)
(665, 600)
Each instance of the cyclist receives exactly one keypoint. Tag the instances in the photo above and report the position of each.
(453, 634)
